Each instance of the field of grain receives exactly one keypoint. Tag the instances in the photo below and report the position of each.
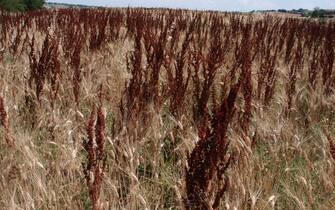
(166, 109)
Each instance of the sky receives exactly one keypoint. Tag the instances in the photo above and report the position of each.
(223, 5)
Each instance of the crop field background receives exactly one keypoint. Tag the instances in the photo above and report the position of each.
(166, 109)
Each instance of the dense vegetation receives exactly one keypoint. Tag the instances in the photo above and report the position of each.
(21, 5)
(166, 109)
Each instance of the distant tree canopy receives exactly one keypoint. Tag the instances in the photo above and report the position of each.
(21, 5)
(318, 13)
(34, 4)
(282, 10)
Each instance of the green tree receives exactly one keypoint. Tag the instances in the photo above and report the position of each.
(318, 13)
(13, 5)
(21, 5)
(34, 4)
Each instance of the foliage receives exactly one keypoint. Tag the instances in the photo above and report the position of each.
(13, 5)
(21, 5)
(317, 13)
(33, 4)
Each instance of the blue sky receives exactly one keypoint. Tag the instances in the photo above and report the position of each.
(224, 5)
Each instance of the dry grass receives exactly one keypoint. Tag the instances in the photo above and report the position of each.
(166, 109)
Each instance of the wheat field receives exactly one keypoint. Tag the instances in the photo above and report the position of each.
(166, 109)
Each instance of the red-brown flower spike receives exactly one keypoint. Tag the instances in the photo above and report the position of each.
(94, 167)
